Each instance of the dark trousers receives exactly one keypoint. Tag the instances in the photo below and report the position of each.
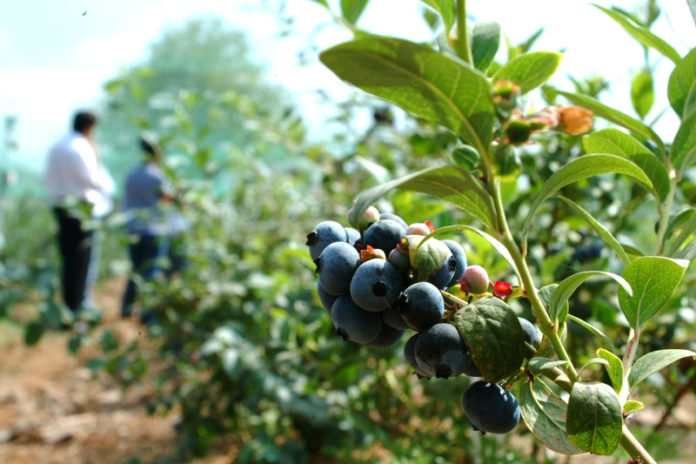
(75, 246)
(144, 254)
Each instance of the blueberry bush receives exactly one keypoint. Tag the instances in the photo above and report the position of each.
(459, 86)
(511, 280)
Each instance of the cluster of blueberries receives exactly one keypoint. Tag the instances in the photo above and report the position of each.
(368, 284)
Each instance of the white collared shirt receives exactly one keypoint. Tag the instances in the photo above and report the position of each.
(73, 171)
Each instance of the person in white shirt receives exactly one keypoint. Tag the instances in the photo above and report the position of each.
(74, 177)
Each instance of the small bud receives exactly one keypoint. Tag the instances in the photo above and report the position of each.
(575, 120)
(366, 218)
(517, 132)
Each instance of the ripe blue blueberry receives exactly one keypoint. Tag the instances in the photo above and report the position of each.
(352, 235)
(410, 356)
(387, 336)
(491, 408)
(324, 234)
(394, 217)
(392, 317)
(532, 335)
(336, 267)
(376, 285)
(400, 260)
(327, 299)
(421, 305)
(460, 259)
(385, 235)
(442, 277)
(440, 349)
(353, 323)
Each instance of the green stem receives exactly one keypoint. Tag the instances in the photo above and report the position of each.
(634, 448)
(631, 349)
(462, 43)
(665, 209)
(548, 327)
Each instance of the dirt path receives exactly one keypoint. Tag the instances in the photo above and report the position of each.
(53, 411)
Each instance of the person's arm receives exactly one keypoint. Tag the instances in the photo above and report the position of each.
(87, 177)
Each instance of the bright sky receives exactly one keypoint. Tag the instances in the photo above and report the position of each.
(55, 56)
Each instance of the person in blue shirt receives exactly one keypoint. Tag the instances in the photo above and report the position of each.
(154, 221)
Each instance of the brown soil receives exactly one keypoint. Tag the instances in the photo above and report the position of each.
(53, 411)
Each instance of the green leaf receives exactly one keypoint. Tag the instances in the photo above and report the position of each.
(559, 300)
(615, 116)
(544, 414)
(689, 251)
(485, 41)
(603, 232)
(426, 256)
(492, 332)
(653, 362)
(75, 343)
(450, 183)
(681, 88)
(108, 341)
(445, 9)
(594, 419)
(631, 406)
(499, 247)
(642, 35)
(592, 362)
(465, 157)
(653, 280)
(539, 364)
(582, 168)
(33, 333)
(617, 143)
(684, 146)
(606, 341)
(642, 93)
(352, 9)
(614, 368)
(420, 80)
(679, 230)
(530, 70)
(692, 9)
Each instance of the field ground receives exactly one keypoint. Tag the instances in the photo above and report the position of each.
(52, 411)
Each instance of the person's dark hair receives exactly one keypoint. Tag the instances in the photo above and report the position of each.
(149, 147)
(84, 120)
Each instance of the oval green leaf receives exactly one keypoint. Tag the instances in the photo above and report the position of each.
(558, 305)
(614, 368)
(352, 9)
(582, 168)
(485, 41)
(420, 80)
(642, 93)
(617, 143)
(544, 414)
(450, 183)
(653, 280)
(492, 332)
(653, 362)
(594, 419)
(445, 8)
(684, 146)
(530, 70)
(642, 35)
(681, 88)
(539, 364)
